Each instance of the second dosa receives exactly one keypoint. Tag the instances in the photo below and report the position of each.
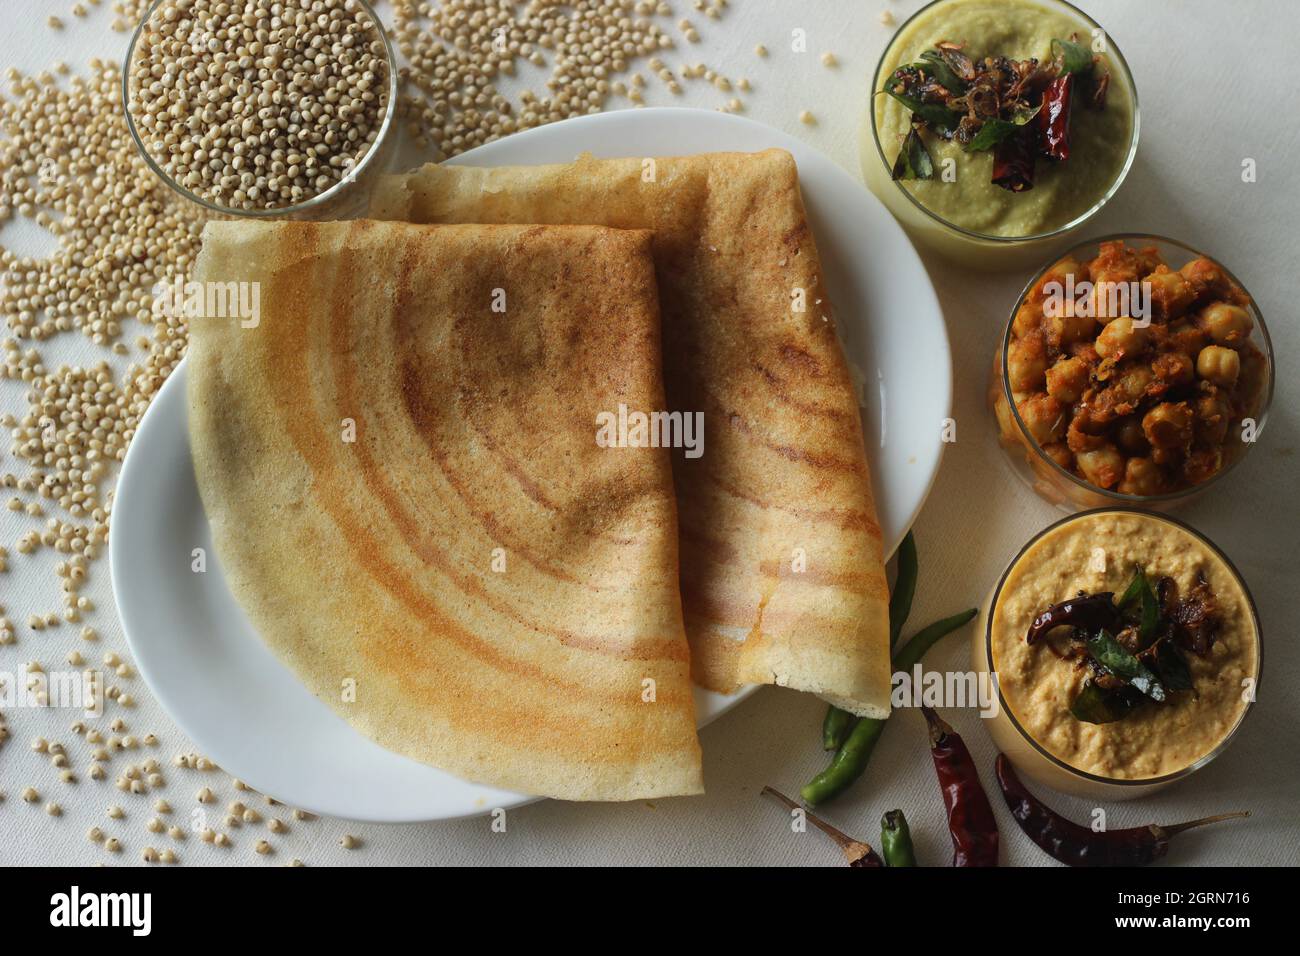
(782, 575)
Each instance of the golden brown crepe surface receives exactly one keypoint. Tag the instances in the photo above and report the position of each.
(783, 482)
(376, 560)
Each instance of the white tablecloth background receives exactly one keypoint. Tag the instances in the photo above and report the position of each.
(1216, 84)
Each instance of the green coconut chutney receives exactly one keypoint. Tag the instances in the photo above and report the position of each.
(1099, 139)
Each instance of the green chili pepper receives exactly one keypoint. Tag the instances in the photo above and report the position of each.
(847, 764)
(836, 727)
(896, 840)
(900, 600)
(838, 724)
(851, 759)
(910, 654)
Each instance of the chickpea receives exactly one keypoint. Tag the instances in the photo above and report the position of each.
(1109, 299)
(1117, 262)
(1187, 338)
(1067, 379)
(1103, 466)
(1168, 425)
(1131, 385)
(1121, 337)
(1131, 438)
(1067, 329)
(1218, 365)
(1174, 368)
(1212, 418)
(1171, 294)
(1227, 324)
(1059, 272)
(1060, 454)
(1148, 260)
(1026, 365)
(1087, 351)
(1079, 439)
(1044, 419)
(1205, 274)
(1141, 477)
(1203, 464)
(1028, 320)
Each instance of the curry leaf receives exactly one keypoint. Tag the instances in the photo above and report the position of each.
(1097, 706)
(933, 62)
(1113, 656)
(913, 159)
(1133, 590)
(995, 130)
(1147, 615)
(1172, 666)
(1074, 57)
(943, 119)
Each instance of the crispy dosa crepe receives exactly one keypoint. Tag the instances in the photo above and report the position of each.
(781, 569)
(407, 497)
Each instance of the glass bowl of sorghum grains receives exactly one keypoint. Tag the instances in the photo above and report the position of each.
(273, 109)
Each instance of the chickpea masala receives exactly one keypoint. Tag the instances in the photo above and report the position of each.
(1142, 404)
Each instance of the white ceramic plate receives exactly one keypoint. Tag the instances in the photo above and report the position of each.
(242, 707)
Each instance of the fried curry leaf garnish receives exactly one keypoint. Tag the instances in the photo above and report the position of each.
(995, 131)
(1134, 589)
(939, 117)
(1072, 57)
(1132, 645)
(961, 64)
(1115, 658)
(1096, 706)
(1169, 663)
(1141, 606)
(934, 61)
(990, 103)
(913, 159)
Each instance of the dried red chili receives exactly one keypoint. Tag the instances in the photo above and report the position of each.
(1077, 845)
(1013, 161)
(1092, 612)
(971, 823)
(1054, 118)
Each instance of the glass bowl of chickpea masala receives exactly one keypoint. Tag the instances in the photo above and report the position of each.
(1134, 369)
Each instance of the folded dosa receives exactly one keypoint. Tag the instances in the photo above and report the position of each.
(782, 574)
(400, 468)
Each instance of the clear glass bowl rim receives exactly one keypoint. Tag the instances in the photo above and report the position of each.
(1117, 58)
(1119, 497)
(280, 212)
(1057, 761)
